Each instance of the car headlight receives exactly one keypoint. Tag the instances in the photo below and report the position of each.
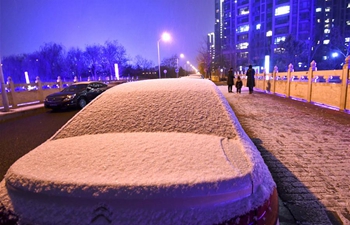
(69, 97)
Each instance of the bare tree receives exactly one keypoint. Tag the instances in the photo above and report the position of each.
(51, 57)
(142, 63)
(93, 57)
(291, 51)
(204, 59)
(75, 62)
(113, 53)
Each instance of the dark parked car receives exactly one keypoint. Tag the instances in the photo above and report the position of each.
(76, 95)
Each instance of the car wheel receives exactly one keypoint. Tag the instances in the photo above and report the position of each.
(82, 103)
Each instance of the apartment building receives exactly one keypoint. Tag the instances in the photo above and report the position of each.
(268, 33)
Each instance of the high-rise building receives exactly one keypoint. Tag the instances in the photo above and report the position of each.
(283, 31)
(211, 46)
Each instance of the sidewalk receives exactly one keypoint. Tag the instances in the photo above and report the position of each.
(21, 111)
(307, 150)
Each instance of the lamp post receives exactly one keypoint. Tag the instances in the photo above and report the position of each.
(165, 37)
(3, 91)
(177, 65)
(187, 63)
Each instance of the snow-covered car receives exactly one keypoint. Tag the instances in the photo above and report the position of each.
(165, 151)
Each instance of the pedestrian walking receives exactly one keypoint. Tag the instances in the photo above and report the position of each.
(250, 79)
(230, 80)
(239, 85)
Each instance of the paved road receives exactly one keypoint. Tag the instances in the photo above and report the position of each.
(307, 149)
(21, 135)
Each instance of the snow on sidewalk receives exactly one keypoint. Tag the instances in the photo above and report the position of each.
(307, 149)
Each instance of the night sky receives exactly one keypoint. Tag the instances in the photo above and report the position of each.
(25, 25)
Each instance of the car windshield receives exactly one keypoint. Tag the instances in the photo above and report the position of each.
(75, 88)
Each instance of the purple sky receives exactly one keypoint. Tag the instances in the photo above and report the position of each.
(25, 25)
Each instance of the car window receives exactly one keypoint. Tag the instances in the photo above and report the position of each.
(75, 88)
(95, 85)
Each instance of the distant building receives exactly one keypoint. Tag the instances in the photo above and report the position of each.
(211, 47)
(249, 31)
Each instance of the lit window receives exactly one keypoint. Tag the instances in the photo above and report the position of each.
(348, 22)
(318, 21)
(325, 57)
(242, 28)
(280, 39)
(328, 9)
(327, 20)
(318, 9)
(347, 39)
(327, 31)
(326, 42)
(217, 20)
(279, 50)
(243, 45)
(282, 10)
(258, 26)
(243, 54)
(348, 6)
(269, 33)
(244, 11)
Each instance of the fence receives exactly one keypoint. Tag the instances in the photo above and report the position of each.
(31, 93)
(327, 87)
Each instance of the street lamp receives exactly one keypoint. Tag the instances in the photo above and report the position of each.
(5, 100)
(165, 37)
(177, 65)
(187, 64)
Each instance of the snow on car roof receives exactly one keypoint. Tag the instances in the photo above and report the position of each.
(163, 105)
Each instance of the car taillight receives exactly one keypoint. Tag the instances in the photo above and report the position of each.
(267, 214)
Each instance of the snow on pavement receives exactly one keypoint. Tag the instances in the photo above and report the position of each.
(307, 149)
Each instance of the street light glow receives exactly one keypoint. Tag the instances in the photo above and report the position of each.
(165, 37)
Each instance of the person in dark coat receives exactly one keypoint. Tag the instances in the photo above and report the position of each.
(250, 79)
(239, 85)
(230, 80)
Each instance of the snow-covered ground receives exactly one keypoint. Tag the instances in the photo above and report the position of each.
(307, 149)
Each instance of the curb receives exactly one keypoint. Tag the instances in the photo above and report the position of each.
(21, 112)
